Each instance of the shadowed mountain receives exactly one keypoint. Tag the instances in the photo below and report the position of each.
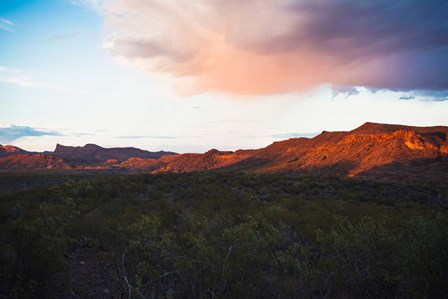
(429, 170)
(32, 162)
(213, 159)
(92, 153)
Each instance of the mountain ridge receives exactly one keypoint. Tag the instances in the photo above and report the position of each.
(8, 150)
(345, 153)
(95, 153)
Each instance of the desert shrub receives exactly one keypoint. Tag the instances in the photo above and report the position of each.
(78, 189)
(228, 235)
(36, 254)
(369, 260)
(424, 257)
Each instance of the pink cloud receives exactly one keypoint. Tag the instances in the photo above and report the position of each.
(271, 46)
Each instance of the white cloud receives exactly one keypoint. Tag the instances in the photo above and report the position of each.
(22, 79)
(7, 22)
(6, 25)
(18, 77)
(59, 37)
(88, 3)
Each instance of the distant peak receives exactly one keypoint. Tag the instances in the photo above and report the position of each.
(91, 145)
(212, 151)
(10, 148)
(371, 128)
(369, 124)
(59, 145)
(375, 128)
(63, 148)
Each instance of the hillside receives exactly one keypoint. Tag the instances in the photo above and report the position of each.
(91, 153)
(9, 150)
(337, 153)
(372, 148)
(32, 162)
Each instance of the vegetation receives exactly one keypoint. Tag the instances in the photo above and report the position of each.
(222, 235)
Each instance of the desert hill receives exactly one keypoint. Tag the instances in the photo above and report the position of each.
(9, 150)
(91, 153)
(32, 162)
(370, 147)
(336, 153)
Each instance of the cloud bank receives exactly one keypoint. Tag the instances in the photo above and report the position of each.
(276, 46)
(13, 132)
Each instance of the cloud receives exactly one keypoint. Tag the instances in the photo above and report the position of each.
(344, 90)
(407, 97)
(431, 95)
(144, 137)
(4, 69)
(13, 132)
(59, 37)
(81, 134)
(293, 135)
(6, 25)
(261, 47)
(87, 3)
(23, 79)
(154, 137)
(18, 77)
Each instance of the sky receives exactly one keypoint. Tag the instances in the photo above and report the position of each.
(188, 76)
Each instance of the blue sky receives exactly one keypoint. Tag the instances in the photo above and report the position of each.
(83, 71)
